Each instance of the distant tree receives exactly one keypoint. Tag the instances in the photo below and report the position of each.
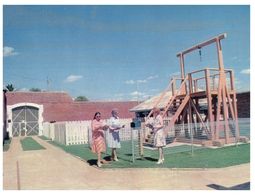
(35, 89)
(10, 87)
(81, 98)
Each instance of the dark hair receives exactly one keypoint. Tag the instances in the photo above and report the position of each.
(96, 114)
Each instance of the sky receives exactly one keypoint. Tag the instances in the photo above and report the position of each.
(118, 53)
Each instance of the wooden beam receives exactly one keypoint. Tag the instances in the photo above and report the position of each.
(200, 118)
(230, 103)
(203, 44)
(179, 110)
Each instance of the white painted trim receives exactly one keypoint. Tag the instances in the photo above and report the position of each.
(9, 115)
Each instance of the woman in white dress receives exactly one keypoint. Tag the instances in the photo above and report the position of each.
(159, 134)
(114, 137)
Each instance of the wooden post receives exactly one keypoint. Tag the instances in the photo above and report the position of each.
(183, 91)
(182, 66)
(222, 80)
(225, 114)
(141, 138)
(209, 102)
(190, 84)
(173, 87)
(218, 112)
(234, 102)
(190, 124)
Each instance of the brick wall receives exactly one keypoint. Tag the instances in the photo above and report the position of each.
(243, 104)
(59, 106)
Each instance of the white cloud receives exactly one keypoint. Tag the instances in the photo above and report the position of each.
(176, 74)
(245, 71)
(114, 99)
(119, 94)
(142, 81)
(24, 89)
(146, 96)
(130, 82)
(136, 93)
(73, 78)
(152, 77)
(9, 51)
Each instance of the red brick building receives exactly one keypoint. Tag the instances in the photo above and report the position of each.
(243, 104)
(28, 110)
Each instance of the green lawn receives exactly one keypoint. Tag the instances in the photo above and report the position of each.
(28, 143)
(6, 145)
(44, 138)
(175, 157)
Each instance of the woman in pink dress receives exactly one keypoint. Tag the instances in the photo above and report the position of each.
(98, 140)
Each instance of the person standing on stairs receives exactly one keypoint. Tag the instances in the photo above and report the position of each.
(159, 134)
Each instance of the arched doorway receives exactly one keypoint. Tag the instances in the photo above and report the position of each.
(25, 121)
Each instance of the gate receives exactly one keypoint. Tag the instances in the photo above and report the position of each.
(25, 121)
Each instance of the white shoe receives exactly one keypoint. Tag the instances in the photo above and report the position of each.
(99, 164)
(116, 159)
(159, 162)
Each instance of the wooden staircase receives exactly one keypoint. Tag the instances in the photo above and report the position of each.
(175, 105)
(176, 109)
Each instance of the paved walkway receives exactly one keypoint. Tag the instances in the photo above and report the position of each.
(55, 169)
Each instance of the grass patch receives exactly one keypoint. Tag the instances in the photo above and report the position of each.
(7, 144)
(81, 151)
(44, 138)
(28, 143)
(175, 157)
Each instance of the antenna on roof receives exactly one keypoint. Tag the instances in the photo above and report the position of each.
(48, 83)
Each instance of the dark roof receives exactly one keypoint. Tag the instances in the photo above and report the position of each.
(58, 106)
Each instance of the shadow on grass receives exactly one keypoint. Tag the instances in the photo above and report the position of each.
(151, 159)
(107, 158)
(93, 162)
(6, 144)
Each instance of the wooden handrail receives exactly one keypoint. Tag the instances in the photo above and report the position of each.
(173, 97)
(160, 98)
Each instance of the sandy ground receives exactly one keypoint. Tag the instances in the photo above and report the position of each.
(55, 169)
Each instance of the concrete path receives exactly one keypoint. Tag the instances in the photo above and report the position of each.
(55, 169)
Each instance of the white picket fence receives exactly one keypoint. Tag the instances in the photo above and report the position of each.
(77, 132)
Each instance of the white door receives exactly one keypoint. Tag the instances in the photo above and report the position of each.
(25, 121)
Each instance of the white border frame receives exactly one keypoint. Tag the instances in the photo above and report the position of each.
(9, 115)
